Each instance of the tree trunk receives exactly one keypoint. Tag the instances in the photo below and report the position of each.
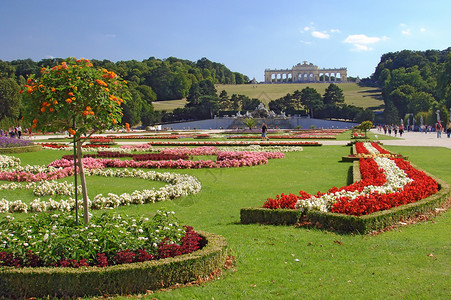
(83, 182)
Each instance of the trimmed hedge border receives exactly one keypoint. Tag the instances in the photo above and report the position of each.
(115, 280)
(32, 148)
(345, 223)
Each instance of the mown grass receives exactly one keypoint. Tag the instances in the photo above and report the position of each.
(354, 94)
(366, 97)
(287, 262)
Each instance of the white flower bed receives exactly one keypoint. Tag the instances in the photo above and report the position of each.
(178, 186)
(396, 179)
(258, 148)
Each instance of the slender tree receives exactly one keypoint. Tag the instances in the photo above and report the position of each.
(76, 97)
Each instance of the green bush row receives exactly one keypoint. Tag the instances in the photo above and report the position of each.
(32, 148)
(115, 280)
(345, 223)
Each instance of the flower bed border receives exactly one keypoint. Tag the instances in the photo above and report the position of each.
(346, 223)
(115, 280)
(32, 148)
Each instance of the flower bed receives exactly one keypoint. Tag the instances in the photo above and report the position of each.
(178, 185)
(367, 204)
(128, 278)
(369, 150)
(140, 137)
(39, 241)
(7, 142)
(100, 140)
(286, 137)
(235, 143)
(135, 157)
(54, 146)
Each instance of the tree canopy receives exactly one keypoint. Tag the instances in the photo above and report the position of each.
(415, 82)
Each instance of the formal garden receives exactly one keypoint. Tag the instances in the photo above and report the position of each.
(220, 215)
(217, 183)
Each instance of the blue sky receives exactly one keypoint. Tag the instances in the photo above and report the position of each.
(246, 36)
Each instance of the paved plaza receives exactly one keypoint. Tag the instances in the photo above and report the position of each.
(417, 139)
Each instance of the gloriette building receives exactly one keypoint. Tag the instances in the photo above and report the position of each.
(302, 73)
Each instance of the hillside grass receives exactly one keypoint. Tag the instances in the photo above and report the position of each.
(283, 261)
(365, 97)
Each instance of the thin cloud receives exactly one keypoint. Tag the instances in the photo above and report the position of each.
(320, 34)
(422, 29)
(361, 41)
(335, 31)
(406, 31)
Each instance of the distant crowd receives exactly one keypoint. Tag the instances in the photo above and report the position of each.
(395, 129)
(13, 132)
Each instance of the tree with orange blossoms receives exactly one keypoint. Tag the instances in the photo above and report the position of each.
(78, 98)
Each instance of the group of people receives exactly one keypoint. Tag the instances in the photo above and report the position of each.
(12, 132)
(395, 129)
(392, 128)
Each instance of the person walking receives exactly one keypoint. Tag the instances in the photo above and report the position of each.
(448, 130)
(264, 131)
(438, 129)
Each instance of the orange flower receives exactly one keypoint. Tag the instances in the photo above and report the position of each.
(51, 109)
(30, 90)
(85, 112)
(55, 102)
(35, 121)
(88, 108)
(34, 125)
(91, 113)
(68, 100)
(114, 121)
(107, 90)
(53, 89)
(71, 131)
(21, 91)
(42, 109)
(70, 94)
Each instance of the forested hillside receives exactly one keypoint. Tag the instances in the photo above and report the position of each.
(148, 80)
(415, 83)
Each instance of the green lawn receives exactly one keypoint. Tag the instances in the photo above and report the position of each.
(366, 97)
(354, 94)
(413, 262)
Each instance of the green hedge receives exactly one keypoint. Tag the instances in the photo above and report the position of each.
(114, 280)
(32, 148)
(346, 223)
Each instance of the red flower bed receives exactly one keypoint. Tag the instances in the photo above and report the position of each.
(59, 146)
(422, 186)
(371, 175)
(285, 201)
(135, 157)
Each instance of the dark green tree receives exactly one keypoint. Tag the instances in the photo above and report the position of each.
(333, 95)
(311, 100)
(9, 98)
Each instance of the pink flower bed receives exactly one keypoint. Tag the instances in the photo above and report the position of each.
(234, 143)
(288, 137)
